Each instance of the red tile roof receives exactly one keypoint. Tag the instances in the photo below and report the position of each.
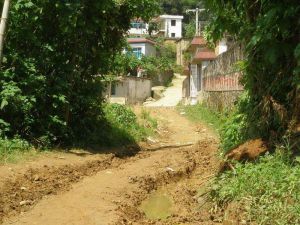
(204, 55)
(140, 40)
(198, 41)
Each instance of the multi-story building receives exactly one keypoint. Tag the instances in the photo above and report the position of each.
(170, 26)
(138, 28)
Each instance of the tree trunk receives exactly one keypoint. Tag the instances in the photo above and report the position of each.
(3, 26)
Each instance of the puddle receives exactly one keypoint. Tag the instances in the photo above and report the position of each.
(157, 206)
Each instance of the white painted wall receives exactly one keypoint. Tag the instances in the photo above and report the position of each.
(150, 50)
(139, 45)
(194, 84)
(221, 47)
(133, 90)
(140, 31)
(147, 49)
(169, 29)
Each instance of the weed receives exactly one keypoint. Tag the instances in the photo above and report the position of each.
(13, 149)
(200, 113)
(125, 127)
(268, 190)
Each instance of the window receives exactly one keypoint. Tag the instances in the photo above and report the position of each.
(137, 52)
(113, 89)
(173, 35)
(173, 23)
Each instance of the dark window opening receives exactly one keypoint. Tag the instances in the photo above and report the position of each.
(173, 35)
(113, 89)
(173, 23)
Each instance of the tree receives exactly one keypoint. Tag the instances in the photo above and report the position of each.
(54, 57)
(3, 26)
(270, 32)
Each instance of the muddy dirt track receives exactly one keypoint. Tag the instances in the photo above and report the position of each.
(102, 189)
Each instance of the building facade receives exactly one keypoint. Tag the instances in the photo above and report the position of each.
(170, 26)
(142, 47)
(138, 28)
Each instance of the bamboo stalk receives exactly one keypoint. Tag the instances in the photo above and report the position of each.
(3, 26)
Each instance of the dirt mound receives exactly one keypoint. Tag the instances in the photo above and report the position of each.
(250, 150)
(18, 195)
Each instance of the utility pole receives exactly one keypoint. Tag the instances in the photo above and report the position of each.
(3, 26)
(198, 26)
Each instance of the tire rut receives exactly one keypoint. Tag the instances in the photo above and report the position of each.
(23, 192)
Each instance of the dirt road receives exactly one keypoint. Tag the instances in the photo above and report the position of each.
(101, 189)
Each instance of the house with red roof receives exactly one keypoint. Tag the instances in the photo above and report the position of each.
(142, 47)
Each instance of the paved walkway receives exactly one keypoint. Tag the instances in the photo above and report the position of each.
(172, 95)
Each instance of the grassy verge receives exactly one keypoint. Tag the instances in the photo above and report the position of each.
(267, 192)
(122, 127)
(15, 150)
(126, 127)
(200, 113)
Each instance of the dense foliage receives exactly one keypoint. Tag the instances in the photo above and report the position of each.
(270, 32)
(127, 64)
(178, 7)
(55, 55)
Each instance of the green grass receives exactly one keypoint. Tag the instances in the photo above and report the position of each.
(200, 113)
(125, 127)
(122, 127)
(14, 150)
(268, 190)
(231, 126)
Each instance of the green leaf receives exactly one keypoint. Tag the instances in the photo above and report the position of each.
(3, 104)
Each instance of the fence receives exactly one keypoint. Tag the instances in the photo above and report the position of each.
(221, 80)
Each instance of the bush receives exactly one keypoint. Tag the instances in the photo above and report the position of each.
(51, 90)
(268, 190)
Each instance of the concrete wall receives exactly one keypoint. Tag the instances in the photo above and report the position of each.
(150, 50)
(133, 90)
(138, 90)
(181, 47)
(173, 29)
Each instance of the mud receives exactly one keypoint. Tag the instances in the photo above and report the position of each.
(181, 162)
(250, 150)
(184, 187)
(25, 190)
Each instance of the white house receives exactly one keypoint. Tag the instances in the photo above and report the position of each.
(138, 28)
(142, 46)
(171, 26)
